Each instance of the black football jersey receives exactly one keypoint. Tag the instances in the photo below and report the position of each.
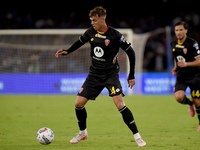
(186, 51)
(104, 48)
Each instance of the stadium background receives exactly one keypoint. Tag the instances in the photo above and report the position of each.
(162, 122)
(141, 16)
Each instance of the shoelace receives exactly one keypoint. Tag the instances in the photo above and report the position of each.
(140, 140)
(78, 136)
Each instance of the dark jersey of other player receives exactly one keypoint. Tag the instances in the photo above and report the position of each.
(186, 51)
(104, 49)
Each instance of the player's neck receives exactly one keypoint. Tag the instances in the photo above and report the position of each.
(103, 29)
(181, 41)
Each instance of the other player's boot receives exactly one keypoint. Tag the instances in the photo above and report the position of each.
(80, 136)
(191, 110)
(198, 128)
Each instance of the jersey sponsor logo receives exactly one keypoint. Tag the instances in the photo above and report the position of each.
(180, 58)
(185, 50)
(99, 59)
(180, 46)
(100, 36)
(98, 51)
(107, 41)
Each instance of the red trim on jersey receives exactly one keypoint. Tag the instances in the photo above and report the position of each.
(183, 41)
(103, 32)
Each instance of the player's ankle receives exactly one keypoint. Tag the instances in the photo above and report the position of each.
(83, 132)
(137, 136)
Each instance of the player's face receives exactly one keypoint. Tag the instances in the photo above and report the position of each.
(180, 32)
(97, 22)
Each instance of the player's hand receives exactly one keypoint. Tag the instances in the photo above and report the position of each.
(174, 71)
(60, 52)
(182, 64)
(131, 82)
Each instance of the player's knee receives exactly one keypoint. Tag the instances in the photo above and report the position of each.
(80, 101)
(196, 102)
(120, 105)
(79, 105)
(119, 102)
(179, 97)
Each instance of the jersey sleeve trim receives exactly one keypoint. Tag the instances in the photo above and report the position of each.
(80, 39)
(127, 48)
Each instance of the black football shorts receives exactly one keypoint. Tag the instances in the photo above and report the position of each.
(94, 84)
(193, 84)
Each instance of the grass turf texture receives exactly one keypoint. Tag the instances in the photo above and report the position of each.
(162, 122)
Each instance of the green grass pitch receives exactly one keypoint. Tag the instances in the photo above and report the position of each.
(162, 122)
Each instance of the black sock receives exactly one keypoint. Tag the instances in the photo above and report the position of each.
(81, 115)
(128, 119)
(198, 112)
(186, 101)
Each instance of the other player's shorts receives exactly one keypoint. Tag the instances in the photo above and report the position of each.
(193, 84)
(94, 84)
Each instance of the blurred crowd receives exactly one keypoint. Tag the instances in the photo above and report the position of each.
(12, 19)
(155, 51)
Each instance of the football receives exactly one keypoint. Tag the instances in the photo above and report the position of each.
(45, 135)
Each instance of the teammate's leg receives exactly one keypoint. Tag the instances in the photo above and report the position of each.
(128, 118)
(181, 98)
(81, 115)
(197, 105)
(194, 85)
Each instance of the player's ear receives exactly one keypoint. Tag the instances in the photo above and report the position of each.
(103, 18)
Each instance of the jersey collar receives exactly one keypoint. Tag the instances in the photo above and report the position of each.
(103, 32)
(182, 42)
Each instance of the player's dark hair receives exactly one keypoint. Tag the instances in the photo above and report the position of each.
(185, 25)
(99, 11)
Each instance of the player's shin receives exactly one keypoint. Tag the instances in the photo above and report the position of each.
(130, 122)
(81, 115)
(198, 113)
(186, 101)
(128, 119)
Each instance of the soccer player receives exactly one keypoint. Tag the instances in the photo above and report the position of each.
(187, 68)
(105, 43)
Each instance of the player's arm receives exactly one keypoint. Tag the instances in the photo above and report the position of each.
(194, 63)
(131, 77)
(126, 46)
(82, 40)
(74, 47)
(131, 55)
(174, 70)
